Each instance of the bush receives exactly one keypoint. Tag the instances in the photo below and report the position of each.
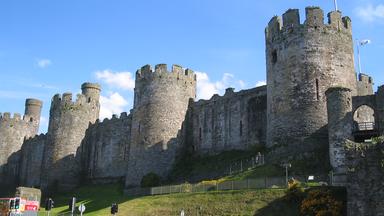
(150, 180)
(320, 202)
(378, 140)
(295, 193)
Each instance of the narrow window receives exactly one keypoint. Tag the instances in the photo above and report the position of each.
(31, 119)
(200, 134)
(139, 128)
(241, 128)
(274, 56)
(317, 89)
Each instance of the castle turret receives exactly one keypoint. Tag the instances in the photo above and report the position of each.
(33, 109)
(340, 123)
(160, 105)
(303, 61)
(13, 130)
(364, 85)
(67, 125)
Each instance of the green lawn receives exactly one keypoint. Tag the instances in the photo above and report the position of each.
(98, 199)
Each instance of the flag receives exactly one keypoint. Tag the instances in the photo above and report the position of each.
(364, 42)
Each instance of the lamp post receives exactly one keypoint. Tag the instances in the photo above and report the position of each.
(360, 43)
(286, 165)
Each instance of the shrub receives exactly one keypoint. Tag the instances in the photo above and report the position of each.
(320, 202)
(150, 180)
(295, 193)
(378, 140)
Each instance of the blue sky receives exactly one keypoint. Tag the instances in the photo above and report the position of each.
(52, 46)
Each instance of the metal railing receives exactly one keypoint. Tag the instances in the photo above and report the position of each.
(245, 164)
(257, 183)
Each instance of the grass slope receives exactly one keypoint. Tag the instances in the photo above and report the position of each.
(98, 199)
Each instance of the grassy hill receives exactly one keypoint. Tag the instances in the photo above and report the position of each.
(98, 199)
(260, 202)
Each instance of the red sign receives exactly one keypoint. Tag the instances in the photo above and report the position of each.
(31, 208)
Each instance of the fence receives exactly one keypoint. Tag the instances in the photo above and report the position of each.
(245, 164)
(258, 183)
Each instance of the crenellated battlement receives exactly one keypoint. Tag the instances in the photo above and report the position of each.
(230, 93)
(122, 117)
(365, 79)
(290, 21)
(16, 117)
(161, 71)
(67, 100)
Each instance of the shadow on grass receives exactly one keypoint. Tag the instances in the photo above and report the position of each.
(94, 197)
(278, 207)
(288, 207)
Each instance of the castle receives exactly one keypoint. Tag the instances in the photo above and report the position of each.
(313, 103)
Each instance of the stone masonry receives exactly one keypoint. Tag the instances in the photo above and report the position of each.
(234, 121)
(105, 148)
(160, 106)
(365, 163)
(303, 61)
(67, 125)
(13, 131)
(312, 102)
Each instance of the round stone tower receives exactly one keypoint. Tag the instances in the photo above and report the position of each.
(67, 125)
(340, 123)
(33, 110)
(303, 61)
(160, 107)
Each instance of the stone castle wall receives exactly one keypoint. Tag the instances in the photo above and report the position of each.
(379, 111)
(31, 161)
(67, 125)
(160, 107)
(364, 88)
(105, 148)
(365, 185)
(13, 131)
(303, 61)
(236, 120)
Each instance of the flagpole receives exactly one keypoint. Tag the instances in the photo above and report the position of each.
(335, 2)
(358, 56)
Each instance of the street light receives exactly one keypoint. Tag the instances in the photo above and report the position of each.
(361, 43)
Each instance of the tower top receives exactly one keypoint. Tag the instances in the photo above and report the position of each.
(314, 19)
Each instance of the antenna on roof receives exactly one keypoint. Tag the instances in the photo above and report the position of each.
(335, 2)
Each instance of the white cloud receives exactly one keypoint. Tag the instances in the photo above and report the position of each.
(371, 13)
(261, 83)
(43, 63)
(206, 88)
(122, 80)
(114, 103)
